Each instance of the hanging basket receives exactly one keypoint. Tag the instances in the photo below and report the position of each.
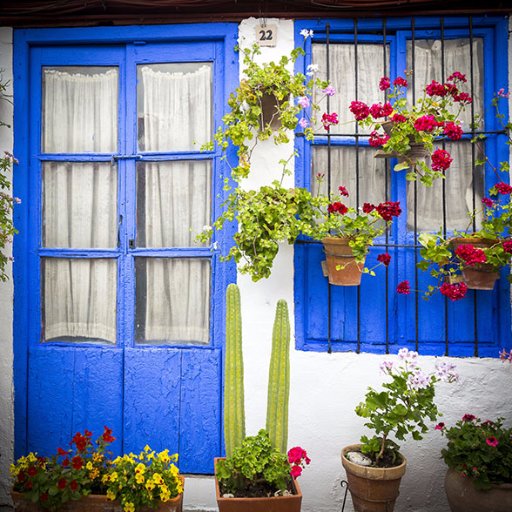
(481, 276)
(342, 267)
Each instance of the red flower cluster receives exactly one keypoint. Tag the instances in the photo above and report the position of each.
(492, 441)
(441, 160)
(470, 254)
(503, 188)
(376, 140)
(426, 123)
(400, 82)
(488, 202)
(404, 288)
(453, 131)
(77, 462)
(436, 89)
(384, 83)
(462, 97)
(379, 110)
(388, 209)
(399, 118)
(368, 207)
(82, 441)
(384, 258)
(337, 207)
(360, 110)
(298, 458)
(507, 246)
(343, 191)
(457, 75)
(454, 291)
(329, 119)
(107, 435)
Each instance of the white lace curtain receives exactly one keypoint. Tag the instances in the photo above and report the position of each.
(80, 204)
(428, 61)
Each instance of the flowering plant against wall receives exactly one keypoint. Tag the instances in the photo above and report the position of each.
(143, 480)
(69, 475)
(479, 450)
(402, 407)
(409, 132)
(271, 214)
(7, 201)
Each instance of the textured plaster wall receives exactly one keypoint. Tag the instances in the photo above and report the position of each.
(324, 388)
(6, 297)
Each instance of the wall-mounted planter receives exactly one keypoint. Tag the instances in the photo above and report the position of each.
(270, 111)
(342, 267)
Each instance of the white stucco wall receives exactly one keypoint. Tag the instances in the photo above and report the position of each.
(324, 387)
(6, 296)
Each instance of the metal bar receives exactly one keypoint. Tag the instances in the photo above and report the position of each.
(356, 77)
(386, 183)
(473, 173)
(415, 189)
(329, 290)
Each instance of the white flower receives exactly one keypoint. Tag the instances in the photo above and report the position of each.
(418, 380)
(305, 33)
(446, 372)
(215, 245)
(207, 227)
(312, 69)
(386, 367)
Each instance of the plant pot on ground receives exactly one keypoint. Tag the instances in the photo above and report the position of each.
(479, 460)
(402, 408)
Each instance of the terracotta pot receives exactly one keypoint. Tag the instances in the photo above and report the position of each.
(481, 276)
(339, 254)
(464, 497)
(372, 489)
(94, 503)
(91, 503)
(273, 504)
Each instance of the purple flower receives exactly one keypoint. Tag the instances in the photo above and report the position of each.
(303, 102)
(329, 90)
(303, 123)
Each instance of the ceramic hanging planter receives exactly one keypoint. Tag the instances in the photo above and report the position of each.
(341, 265)
(481, 276)
(372, 489)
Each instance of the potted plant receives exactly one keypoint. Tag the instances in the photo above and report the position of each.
(409, 132)
(347, 234)
(375, 466)
(479, 460)
(256, 475)
(147, 481)
(266, 216)
(70, 480)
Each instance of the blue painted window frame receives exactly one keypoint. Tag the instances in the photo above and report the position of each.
(112, 46)
(401, 330)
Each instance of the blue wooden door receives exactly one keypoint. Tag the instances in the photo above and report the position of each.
(124, 327)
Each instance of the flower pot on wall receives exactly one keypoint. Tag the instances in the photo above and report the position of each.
(342, 267)
(290, 503)
(270, 111)
(372, 489)
(464, 497)
(480, 276)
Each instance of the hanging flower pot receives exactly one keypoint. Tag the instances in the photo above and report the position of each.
(480, 276)
(270, 107)
(342, 267)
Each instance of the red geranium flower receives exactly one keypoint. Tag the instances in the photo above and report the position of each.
(436, 89)
(77, 462)
(503, 188)
(462, 97)
(457, 75)
(65, 463)
(404, 288)
(337, 207)
(453, 130)
(399, 118)
(73, 485)
(329, 119)
(376, 140)
(400, 82)
(62, 452)
(61, 484)
(32, 471)
(454, 291)
(492, 441)
(426, 123)
(470, 255)
(439, 426)
(343, 192)
(507, 246)
(488, 202)
(384, 83)
(80, 441)
(468, 417)
(107, 435)
(441, 160)
(389, 209)
(368, 207)
(384, 258)
(295, 471)
(360, 110)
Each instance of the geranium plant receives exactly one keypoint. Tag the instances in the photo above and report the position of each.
(256, 469)
(479, 450)
(143, 480)
(402, 408)
(397, 127)
(69, 475)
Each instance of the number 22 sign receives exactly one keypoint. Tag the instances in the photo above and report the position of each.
(266, 35)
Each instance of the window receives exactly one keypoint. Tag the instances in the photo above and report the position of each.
(353, 55)
(119, 309)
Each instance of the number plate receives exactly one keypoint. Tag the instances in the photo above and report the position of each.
(266, 35)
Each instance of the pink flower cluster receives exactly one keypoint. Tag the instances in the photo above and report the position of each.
(360, 110)
(427, 123)
(404, 288)
(298, 458)
(503, 188)
(329, 119)
(379, 110)
(376, 140)
(470, 254)
(441, 160)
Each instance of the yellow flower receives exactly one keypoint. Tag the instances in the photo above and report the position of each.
(105, 479)
(140, 468)
(174, 470)
(98, 457)
(150, 485)
(157, 478)
(113, 477)
(129, 507)
(174, 457)
(95, 473)
(89, 466)
(111, 495)
(139, 478)
(147, 448)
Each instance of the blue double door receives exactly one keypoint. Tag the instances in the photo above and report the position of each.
(123, 307)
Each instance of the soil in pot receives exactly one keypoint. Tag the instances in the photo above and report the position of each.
(372, 489)
(463, 496)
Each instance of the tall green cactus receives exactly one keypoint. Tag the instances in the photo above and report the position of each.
(279, 379)
(234, 412)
